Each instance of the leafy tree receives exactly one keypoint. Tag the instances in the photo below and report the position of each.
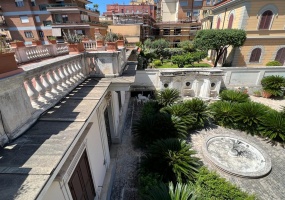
(219, 40)
(173, 159)
(167, 96)
(187, 45)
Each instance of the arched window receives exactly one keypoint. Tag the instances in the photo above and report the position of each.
(280, 56)
(265, 20)
(231, 21)
(218, 23)
(255, 55)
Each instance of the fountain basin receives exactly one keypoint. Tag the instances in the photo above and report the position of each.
(236, 156)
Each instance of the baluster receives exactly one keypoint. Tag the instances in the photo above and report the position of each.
(75, 71)
(63, 77)
(54, 83)
(32, 93)
(67, 75)
(47, 85)
(92, 65)
(70, 73)
(57, 75)
(41, 89)
(79, 68)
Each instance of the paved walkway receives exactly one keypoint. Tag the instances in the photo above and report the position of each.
(268, 188)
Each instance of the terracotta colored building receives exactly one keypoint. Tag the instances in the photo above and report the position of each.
(37, 19)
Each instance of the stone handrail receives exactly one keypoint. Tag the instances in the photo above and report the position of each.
(23, 97)
(31, 53)
(90, 45)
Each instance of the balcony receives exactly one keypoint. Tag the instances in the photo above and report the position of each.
(69, 7)
(180, 21)
(82, 24)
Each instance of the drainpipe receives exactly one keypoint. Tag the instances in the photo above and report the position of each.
(224, 17)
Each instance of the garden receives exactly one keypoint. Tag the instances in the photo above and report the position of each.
(170, 168)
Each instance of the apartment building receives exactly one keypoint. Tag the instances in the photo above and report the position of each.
(38, 19)
(263, 22)
(135, 22)
(178, 21)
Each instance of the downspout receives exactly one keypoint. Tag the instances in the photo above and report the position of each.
(224, 17)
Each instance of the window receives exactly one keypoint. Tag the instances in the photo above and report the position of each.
(29, 34)
(81, 184)
(255, 55)
(24, 19)
(198, 3)
(127, 11)
(166, 31)
(122, 10)
(188, 14)
(47, 23)
(177, 31)
(218, 23)
(209, 2)
(183, 3)
(265, 20)
(280, 56)
(19, 3)
(33, 2)
(37, 18)
(196, 12)
(41, 34)
(64, 18)
(231, 21)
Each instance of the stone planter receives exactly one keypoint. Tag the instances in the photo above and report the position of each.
(79, 47)
(37, 43)
(120, 43)
(99, 43)
(112, 46)
(266, 94)
(17, 44)
(8, 62)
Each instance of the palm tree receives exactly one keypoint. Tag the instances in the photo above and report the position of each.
(173, 159)
(199, 110)
(167, 96)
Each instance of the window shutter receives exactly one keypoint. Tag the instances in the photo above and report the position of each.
(255, 55)
(266, 20)
(218, 23)
(280, 56)
(231, 21)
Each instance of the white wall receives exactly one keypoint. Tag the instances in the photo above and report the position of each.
(169, 10)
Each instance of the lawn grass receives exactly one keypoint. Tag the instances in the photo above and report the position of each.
(170, 65)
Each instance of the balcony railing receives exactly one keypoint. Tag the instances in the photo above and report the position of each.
(67, 5)
(79, 23)
(181, 21)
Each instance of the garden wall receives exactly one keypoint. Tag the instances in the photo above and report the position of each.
(233, 76)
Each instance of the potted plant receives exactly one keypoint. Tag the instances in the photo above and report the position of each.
(100, 41)
(74, 42)
(111, 40)
(85, 38)
(8, 62)
(17, 43)
(257, 93)
(36, 42)
(272, 85)
(52, 39)
(120, 41)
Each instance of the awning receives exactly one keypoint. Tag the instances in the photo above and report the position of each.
(56, 31)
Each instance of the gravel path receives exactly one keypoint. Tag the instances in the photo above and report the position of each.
(273, 103)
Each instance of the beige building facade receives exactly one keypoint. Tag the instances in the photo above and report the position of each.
(263, 22)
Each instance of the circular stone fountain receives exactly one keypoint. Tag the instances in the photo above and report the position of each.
(235, 156)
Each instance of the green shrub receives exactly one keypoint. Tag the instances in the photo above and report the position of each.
(273, 63)
(147, 181)
(152, 127)
(179, 60)
(150, 108)
(272, 125)
(167, 96)
(173, 159)
(157, 63)
(210, 185)
(234, 96)
(168, 52)
(248, 116)
(273, 84)
(199, 109)
(222, 112)
(187, 45)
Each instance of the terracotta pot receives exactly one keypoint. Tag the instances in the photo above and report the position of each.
(112, 46)
(100, 43)
(8, 62)
(37, 43)
(85, 40)
(79, 47)
(266, 94)
(17, 44)
(52, 41)
(120, 43)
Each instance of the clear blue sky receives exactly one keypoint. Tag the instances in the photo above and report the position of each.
(102, 3)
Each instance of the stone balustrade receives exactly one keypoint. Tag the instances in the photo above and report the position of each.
(90, 45)
(32, 53)
(23, 97)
